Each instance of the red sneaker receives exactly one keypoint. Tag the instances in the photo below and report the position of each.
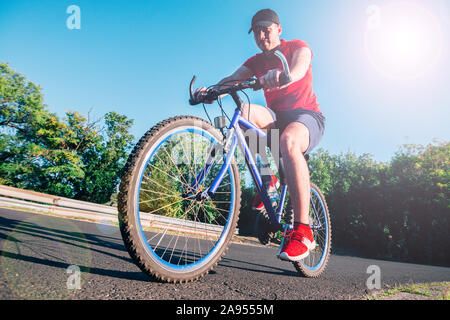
(257, 203)
(297, 244)
(271, 186)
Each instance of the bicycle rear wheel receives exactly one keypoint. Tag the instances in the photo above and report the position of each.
(172, 233)
(315, 263)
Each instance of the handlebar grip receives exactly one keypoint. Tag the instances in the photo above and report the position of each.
(193, 103)
(257, 86)
(210, 95)
(285, 77)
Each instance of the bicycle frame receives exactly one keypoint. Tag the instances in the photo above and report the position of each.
(234, 136)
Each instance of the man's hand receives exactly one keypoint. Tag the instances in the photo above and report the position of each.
(200, 93)
(271, 80)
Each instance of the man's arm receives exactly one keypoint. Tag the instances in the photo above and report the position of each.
(298, 68)
(301, 61)
(238, 76)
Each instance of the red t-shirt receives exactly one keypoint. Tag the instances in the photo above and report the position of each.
(296, 95)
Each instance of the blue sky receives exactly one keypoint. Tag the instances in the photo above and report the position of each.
(137, 58)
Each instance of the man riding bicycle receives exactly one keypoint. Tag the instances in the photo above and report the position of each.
(295, 112)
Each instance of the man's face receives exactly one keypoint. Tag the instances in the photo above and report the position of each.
(267, 38)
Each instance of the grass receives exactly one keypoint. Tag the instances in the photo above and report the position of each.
(417, 291)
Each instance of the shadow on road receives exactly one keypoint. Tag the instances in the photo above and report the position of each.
(39, 243)
(254, 267)
(34, 242)
(140, 276)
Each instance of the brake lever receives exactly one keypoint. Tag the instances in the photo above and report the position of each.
(192, 101)
(285, 77)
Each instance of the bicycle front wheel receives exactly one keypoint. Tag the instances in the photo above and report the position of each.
(171, 232)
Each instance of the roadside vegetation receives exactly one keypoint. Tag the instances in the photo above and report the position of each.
(417, 291)
(74, 157)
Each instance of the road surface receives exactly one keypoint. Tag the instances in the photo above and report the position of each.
(47, 257)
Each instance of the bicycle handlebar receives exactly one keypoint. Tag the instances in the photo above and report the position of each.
(251, 83)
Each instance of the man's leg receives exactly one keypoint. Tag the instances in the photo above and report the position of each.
(294, 141)
(263, 119)
(258, 115)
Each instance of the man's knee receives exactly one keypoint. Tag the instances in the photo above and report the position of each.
(258, 115)
(294, 140)
(246, 111)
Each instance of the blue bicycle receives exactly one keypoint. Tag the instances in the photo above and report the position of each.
(180, 194)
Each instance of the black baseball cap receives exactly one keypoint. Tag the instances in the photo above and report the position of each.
(264, 18)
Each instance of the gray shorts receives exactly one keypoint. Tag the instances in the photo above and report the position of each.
(314, 121)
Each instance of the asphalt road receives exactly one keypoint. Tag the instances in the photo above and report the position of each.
(42, 255)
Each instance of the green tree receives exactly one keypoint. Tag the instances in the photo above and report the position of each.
(71, 158)
(103, 152)
(35, 154)
(393, 210)
(420, 184)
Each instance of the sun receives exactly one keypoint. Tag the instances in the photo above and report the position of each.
(405, 42)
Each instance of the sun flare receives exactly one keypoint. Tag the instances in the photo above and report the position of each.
(405, 42)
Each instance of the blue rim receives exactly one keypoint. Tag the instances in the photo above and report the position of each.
(226, 227)
(326, 236)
